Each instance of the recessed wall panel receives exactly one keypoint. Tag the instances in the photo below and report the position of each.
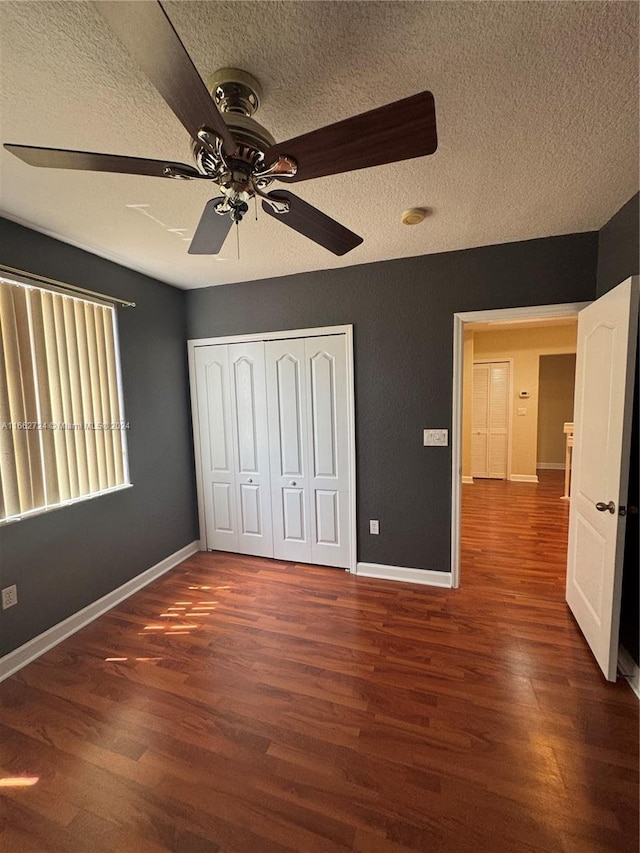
(327, 524)
(250, 510)
(222, 510)
(293, 515)
(589, 566)
(218, 438)
(288, 387)
(595, 414)
(244, 382)
(323, 415)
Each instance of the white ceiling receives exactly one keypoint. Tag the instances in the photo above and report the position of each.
(536, 102)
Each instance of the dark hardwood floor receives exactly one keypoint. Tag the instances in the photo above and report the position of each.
(242, 704)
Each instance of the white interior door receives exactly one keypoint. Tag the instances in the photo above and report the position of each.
(328, 450)
(605, 363)
(251, 448)
(216, 447)
(498, 419)
(490, 419)
(288, 448)
(480, 421)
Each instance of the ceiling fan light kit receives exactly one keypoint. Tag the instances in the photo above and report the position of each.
(235, 152)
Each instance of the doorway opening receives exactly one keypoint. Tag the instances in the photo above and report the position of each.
(512, 368)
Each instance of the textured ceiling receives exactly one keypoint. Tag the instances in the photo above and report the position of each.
(537, 110)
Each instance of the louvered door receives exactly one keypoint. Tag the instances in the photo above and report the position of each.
(480, 421)
(490, 419)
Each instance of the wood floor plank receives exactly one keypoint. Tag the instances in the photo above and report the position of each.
(244, 704)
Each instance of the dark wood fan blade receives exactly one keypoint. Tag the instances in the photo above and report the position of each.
(148, 34)
(312, 223)
(212, 230)
(399, 131)
(59, 158)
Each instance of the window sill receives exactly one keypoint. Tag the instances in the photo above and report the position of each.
(46, 509)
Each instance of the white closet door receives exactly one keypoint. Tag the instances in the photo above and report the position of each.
(498, 419)
(216, 447)
(288, 430)
(490, 419)
(251, 448)
(480, 421)
(328, 450)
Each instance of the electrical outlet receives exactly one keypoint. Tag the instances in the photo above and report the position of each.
(9, 596)
(374, 526)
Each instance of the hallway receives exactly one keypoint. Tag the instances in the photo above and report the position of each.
(514, 536)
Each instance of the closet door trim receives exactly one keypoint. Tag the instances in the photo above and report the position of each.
(347, 331)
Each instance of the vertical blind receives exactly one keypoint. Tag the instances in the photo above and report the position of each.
(61, 420)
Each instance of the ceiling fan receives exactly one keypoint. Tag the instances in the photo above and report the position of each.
(231, 149)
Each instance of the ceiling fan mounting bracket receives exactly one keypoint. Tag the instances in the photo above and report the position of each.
(235, 91)
(237, 95)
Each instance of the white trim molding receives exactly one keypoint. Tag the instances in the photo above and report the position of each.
(427, 577)
(524, 478)
(497, 315)
(629, 669)
(15, 660)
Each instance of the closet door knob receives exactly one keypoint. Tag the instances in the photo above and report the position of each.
(249, 480)
(293, 483)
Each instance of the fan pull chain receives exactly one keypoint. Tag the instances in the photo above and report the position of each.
(238, 239)
(255, 202)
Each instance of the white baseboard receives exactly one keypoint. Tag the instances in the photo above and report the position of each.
(524, 478)
(629, 669)
(466, 480)
(399, 573)
(550, 466)
(15, 660)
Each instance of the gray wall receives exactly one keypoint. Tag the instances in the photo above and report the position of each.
(68, 558)
(402, 312)
(618, 246)
(618, 258)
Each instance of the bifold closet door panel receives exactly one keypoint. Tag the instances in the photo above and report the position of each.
(498, 420)
(490, 419)
(251, 448)
(328, 450)
(480, 421)
(288, 431)
(216, 447)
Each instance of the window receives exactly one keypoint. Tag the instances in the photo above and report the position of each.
(62, 428)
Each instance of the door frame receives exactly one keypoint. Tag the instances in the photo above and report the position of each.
(500, 315)
(509, 361)
(347, 331)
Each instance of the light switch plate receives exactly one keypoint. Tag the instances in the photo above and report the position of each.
(522, 411)
(436, 437)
